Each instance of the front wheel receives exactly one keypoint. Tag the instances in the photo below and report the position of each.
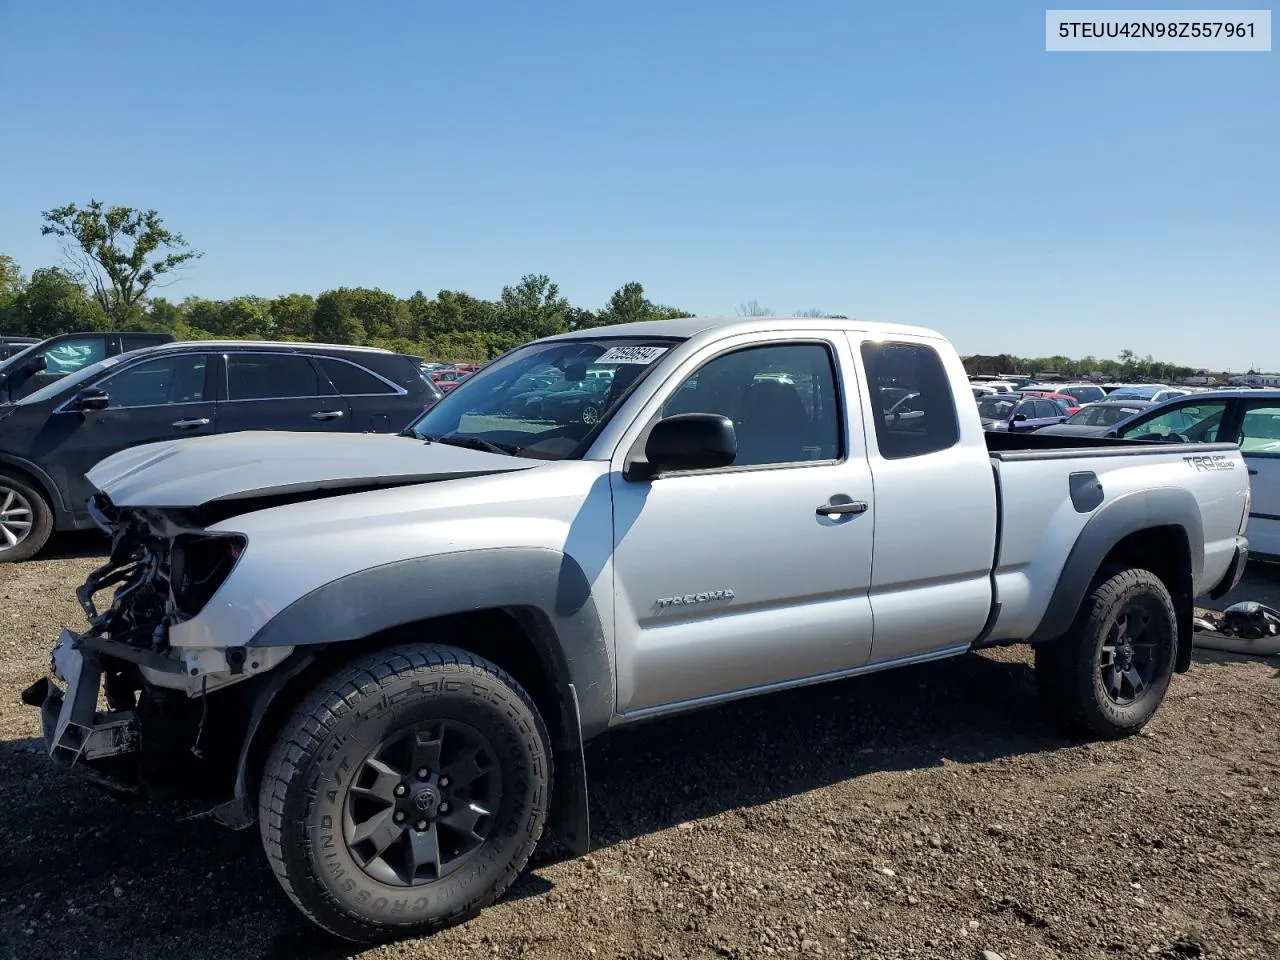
(590, 414)
(405, 794)
(1107, 676)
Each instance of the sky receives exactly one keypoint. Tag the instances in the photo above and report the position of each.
(924, 163)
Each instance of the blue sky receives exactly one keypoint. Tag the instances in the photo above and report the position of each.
(915, 162)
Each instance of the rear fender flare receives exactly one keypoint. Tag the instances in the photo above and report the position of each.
(1126, 515)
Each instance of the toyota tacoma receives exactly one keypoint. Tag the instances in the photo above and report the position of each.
(387, 651)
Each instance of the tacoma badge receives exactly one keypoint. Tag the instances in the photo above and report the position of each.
(688, 598)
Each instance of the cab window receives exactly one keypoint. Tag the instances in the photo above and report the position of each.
(781, 399)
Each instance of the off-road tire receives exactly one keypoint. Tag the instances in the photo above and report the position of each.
(41, 519)
(321, 749)
(1069, 673)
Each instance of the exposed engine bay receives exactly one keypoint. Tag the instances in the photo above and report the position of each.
(161, 570)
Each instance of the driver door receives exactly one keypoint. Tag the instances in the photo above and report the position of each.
(729, 580)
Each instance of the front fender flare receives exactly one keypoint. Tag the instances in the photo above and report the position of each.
(534, 579)
(551, 596)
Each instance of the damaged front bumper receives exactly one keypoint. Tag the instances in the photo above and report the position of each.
(74, 728)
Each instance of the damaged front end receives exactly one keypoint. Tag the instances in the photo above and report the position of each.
(125, 706)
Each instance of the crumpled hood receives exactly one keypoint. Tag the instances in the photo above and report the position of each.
(194, 471)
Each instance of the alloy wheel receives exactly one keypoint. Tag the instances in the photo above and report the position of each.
(422, 803)
(16, 517)
(1129, 658)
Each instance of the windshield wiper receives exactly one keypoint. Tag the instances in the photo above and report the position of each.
(474, 443)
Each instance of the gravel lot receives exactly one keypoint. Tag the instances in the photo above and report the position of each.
(928, 812)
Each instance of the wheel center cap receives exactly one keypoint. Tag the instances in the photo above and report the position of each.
(427, 800)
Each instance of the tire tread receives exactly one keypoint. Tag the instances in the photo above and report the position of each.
(1064, 668)
(306, 730)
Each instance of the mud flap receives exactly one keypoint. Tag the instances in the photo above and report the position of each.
(569, 819)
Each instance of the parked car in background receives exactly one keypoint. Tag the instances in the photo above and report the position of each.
(446, 378)
(1068, 402)
(50, 438)
(1094, 418)
(45, 361)
(1013, 412)
(1083, 392)
(11, 345)
(1155, 392)
(1249, 417)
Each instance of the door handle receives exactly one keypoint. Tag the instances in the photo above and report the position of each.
(326, 415)
(835, 509)
(1252, 472)
(190, 424)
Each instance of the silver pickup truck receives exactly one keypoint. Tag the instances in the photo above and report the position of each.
(388, 650)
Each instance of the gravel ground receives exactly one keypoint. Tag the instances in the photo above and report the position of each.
(927, 812)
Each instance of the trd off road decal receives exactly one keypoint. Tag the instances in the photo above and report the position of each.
(1216, 461)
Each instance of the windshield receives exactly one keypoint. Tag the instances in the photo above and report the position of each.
(543, 399)
(71, 380)
(996, 408)
(1101, 416)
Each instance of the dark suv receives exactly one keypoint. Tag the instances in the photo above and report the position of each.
(50, 438)
(42, 362)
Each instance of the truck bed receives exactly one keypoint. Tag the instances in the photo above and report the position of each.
(1044, 504)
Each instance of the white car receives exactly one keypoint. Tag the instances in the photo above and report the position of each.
(1250, 418)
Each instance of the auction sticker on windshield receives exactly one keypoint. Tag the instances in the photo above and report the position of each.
(641, 355)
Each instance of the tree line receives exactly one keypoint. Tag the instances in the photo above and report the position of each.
(1127, 366)
(118, 258)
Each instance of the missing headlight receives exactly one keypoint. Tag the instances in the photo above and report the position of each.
(199, 563)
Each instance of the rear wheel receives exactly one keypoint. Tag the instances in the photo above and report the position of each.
(1108, 675)
(26, 519)
(406, 793)
(590, 414)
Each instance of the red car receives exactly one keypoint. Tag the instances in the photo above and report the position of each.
(1073, 405)
(449, 377)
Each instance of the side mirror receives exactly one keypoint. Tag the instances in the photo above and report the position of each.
(1019, 417)
(92, 398)
(36, 364)
(689, 441)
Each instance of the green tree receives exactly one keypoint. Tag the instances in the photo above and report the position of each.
(533, 308)
(628, 305)
(11, 284)
(52, 302)
(293, 316)
(120, 252)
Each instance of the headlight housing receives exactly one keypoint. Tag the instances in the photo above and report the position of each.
(198, 565)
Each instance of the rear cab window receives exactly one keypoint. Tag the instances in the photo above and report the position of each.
(912, 402)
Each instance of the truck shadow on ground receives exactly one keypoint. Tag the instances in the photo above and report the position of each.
(117, 871)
